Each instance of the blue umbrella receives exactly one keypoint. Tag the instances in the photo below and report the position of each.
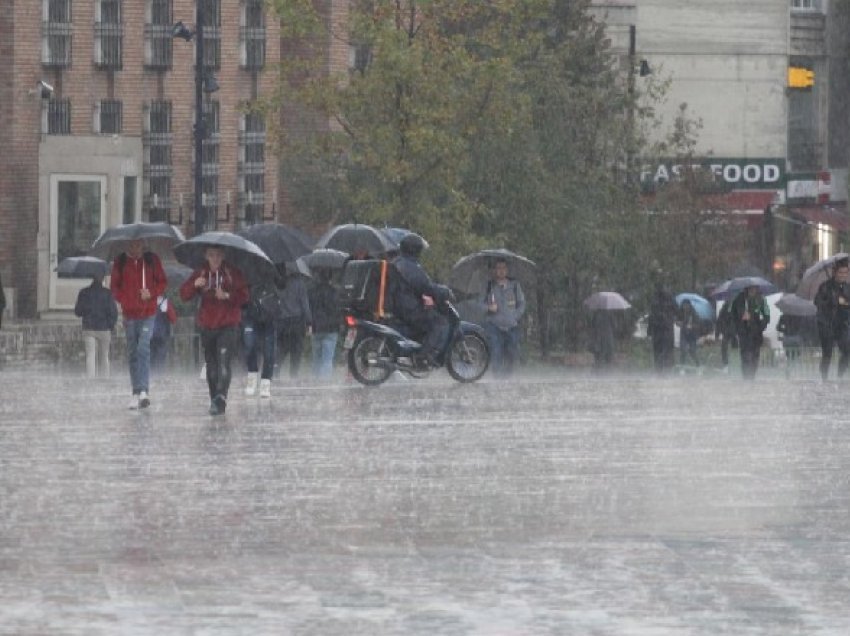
(730, 288)
(702, 306)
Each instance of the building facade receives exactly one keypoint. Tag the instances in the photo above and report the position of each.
(779, 150)
(97, 112)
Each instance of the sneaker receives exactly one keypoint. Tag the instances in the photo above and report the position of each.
(134, 403)
(251, 384)
(265, 388)
(144, 400)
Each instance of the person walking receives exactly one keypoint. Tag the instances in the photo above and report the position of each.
(688, 333)
(833, 304)
(223, 292)
(165, 318)
(137, 280)
(327, 317)
(724, 328)
(2, 302)
(260, 320)
(96, 306)
(751, 316)
(662, 317)
(602, 339)
(295, 321)
(504, 304)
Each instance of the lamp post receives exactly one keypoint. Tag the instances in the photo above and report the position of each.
(200, 129)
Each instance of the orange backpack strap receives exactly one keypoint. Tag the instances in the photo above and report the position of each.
(382, 290)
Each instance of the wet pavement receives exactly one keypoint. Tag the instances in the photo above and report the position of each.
(558, 504)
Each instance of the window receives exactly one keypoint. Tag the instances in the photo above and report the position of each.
(56, 117)
(129, 204)
(212, 32)
(210, 169)
(108, 34)
(56, 33)
(157, 167)
(806, 5)
(252, 166)
(107, 116)
(158, 23)
(252, 35)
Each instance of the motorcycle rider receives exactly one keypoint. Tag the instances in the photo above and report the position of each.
(414, 297)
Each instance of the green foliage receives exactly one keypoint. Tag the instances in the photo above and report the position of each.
(506, 123)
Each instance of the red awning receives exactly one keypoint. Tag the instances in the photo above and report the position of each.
(834, 215)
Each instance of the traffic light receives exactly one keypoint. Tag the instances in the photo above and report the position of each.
(799, 77)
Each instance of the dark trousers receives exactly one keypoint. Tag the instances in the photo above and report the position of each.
(727, 340)
(258, 339)
(750, 354)
(828, 341)
(662, 350)
(688, 347)
(292, 332)
(432, 329)
(159, 352)
(219, 347)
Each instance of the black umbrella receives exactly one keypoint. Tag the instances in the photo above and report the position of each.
(356, 239)
(816, 274)
(793, 305)
(325, 258)
(472, 273)
(176, 274)
(82, 267)
(281, 243)
(158, 237)
(238, 251)
(731, 287)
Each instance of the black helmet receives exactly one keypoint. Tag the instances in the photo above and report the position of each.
(412, 245)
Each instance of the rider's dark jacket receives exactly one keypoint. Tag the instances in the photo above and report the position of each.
(410, 285)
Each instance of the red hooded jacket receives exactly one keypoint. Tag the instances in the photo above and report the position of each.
(214, 313)
(130, 276)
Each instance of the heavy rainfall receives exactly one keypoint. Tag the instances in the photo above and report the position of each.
(425, 318)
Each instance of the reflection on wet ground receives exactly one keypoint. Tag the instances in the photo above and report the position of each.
(548, 505)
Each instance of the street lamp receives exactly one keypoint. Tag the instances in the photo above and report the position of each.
(204, 83)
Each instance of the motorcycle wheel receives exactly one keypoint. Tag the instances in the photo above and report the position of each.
(468, 358)
(364, 361)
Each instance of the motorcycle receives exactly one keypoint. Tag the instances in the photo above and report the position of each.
(376, 350)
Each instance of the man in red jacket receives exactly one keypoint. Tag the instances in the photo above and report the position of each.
(136, 282)
(223, 291)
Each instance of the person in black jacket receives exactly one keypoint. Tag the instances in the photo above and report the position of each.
(833, 304)
(327, 317)
(415, 297)
(751, 316)
(2, 302)
(96, 306)
(662, 317)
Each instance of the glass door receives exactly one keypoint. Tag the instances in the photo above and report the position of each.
(77, 218)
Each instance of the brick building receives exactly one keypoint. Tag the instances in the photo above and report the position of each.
(96, 127)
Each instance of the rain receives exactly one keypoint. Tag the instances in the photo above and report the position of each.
(552, 503)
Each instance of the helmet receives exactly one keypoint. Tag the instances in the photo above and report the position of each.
(412, 245)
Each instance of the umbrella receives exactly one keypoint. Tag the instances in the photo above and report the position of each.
(606, 300)
(472, 272)
(238, 251)
(298, 266)
(701, 305)
(731, 287)
(395, 234)
(82, 267)
(816, 274)
(325, 258)
(158, 237)
(281, 243)
(176, 274)
(793, 305)
(355, 238)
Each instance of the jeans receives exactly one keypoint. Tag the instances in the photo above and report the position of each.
(259, 338)
(688, 347)
(219, 346)
(97, 352)
(138, 334)
(504, 348)
(324, 347)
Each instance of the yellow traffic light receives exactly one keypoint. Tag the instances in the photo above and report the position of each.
(799, 77)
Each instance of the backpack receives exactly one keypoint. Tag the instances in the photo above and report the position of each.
(368, 287)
